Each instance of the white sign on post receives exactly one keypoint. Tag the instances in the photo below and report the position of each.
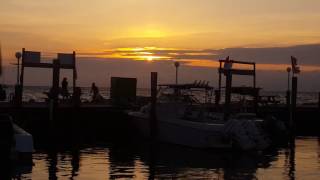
(66, 59)
(31, 57)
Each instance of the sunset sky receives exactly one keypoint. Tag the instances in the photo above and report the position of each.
(197, 33)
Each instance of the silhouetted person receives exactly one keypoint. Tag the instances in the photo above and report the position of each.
(96, 97)
(3, 94)
(64, 89)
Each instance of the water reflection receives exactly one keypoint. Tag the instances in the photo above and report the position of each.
(75, 162)
(140, 160)
(290, 161)
(121, 162)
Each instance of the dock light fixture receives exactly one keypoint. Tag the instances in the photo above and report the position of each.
(18, 56)
(176, 64)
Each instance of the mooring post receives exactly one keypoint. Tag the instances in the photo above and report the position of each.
(77, 97)
(319, 100)
(55, 88)
(153, 116)
(17, 95)
(220, 79)
(288, 106)
(228, 94)
(293, 105)
(288, 98)
(217, 97)
(256, 100)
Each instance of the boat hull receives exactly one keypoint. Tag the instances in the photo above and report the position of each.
(182, 132)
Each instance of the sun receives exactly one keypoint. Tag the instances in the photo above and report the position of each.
(150, 58)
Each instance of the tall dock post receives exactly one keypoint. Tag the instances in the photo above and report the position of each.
(319, 100)
(153, 116)
(288, 108)
(288, 98)
(153, 125)
(228, 94)
(293, 105)
(217, 97)
(55, 87)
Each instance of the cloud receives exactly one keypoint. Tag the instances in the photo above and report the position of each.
(307, 55)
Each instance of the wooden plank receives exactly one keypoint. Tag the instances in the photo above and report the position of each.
(48, 65)
(239, 72)
(239, 62)
(38, 65)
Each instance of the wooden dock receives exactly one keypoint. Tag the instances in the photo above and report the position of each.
(109, 121)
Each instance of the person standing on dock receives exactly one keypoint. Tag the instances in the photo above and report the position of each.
(64, 89)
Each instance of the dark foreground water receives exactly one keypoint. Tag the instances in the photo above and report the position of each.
(140, 161)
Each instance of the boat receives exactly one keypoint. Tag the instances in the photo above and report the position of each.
(184, 117)
(16, 143)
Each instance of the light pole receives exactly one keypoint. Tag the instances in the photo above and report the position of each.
(18, 56)
(176, 64)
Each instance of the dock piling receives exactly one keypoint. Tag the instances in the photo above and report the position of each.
(288, 98)
(217, 97)
(319, 100)
(55, 80)
(228, 94)
(293, 106)
(153, 117)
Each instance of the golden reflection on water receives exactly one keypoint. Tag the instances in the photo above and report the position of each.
(301, 162)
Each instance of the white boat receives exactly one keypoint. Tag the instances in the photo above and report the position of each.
(15, 140)
(182, 120)
(173, 128)
(23, 145)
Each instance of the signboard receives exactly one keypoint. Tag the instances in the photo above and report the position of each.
(31, 57)
(66, 59)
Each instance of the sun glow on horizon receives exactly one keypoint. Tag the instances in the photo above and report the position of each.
(136, 53)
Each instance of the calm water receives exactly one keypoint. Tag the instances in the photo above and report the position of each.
(140, 161)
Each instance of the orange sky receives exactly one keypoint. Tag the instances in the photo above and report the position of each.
(100, 26)
(93, 26)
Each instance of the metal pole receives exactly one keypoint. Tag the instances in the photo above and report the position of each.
(176, 75)
(18, 71)
(18, 56)
(176, 64)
